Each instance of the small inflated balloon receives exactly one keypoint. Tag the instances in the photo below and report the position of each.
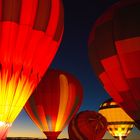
(87, 125)
(30, 34)
(53, 103)
(114, 52)
(119, 123)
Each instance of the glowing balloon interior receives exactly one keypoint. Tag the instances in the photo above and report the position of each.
(4, 127)
(30, 33)
(114, 52)
(119, 123)
(55, 100)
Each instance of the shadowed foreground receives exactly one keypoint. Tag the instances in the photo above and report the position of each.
(22, 138)
(19, 138)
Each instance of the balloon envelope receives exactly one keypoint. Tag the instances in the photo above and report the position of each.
(114, 52)
(30, 33)
(119, 123)
(87, 125)
(55, 100)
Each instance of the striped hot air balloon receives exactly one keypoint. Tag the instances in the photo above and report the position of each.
(114, 52)
(119, 123)
(87, 125)
(30, 33)
(55, 100)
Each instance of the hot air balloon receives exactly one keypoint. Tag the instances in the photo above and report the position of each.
(114, 52)
(119, 123)
(54, 102)
(87, 125)
(30, 33)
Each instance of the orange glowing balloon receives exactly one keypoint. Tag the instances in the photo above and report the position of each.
(30, 33)
(55, 100)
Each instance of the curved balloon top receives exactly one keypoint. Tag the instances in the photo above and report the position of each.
(119, 123)
(114, 52)
(30, 33)
(55, 100)
(87, 125)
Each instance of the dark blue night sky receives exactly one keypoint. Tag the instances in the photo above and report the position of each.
(72, 55)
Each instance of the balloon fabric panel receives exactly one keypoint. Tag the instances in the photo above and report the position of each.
(27, 47)
(59, 95)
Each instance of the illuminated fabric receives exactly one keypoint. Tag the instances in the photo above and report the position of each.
(87, 125)
(114, 52)
(55, 100)
(119, 123)
(30, 33)
(4, 127)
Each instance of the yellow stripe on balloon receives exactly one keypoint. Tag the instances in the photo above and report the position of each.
(43, 119)
(3, 82)
(11, 88)
(20, 100)
(14, 92)
(64, 92)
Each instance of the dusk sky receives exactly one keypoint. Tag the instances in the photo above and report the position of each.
(72, 57)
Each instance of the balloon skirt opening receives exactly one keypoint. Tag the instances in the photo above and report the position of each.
(4, 127)
(52, 135)
(120, 138)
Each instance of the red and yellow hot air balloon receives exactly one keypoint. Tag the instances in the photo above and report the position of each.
(87, 125)
(30, 33)
(55, 100)
(119, 123)
(114, 52)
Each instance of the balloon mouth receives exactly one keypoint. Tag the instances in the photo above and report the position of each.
(5, 124)
(4, 127)
(52, 134)
(120, 136)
